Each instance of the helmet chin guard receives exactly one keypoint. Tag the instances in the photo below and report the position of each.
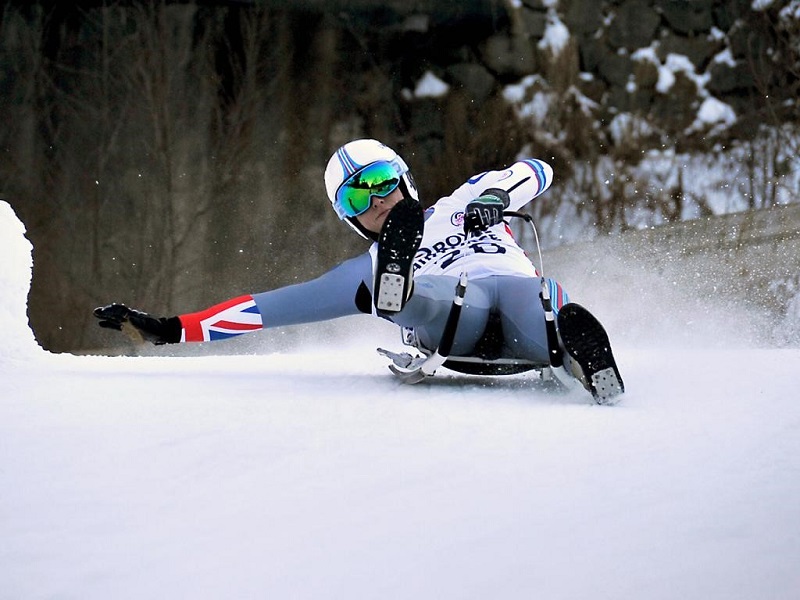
(353, 157)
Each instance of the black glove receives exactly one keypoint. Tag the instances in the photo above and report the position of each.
(138, 325)
(486, 210)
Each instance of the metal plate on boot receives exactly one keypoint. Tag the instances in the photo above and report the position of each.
(606, 386)
(390, 293)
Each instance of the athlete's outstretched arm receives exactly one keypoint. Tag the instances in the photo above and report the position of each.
(340, 292)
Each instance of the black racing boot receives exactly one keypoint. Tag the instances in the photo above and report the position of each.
(398, 242)
(588, 353)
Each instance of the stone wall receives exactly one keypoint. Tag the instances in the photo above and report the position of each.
(658, 58)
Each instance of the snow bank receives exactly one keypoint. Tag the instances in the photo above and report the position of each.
(16, 264)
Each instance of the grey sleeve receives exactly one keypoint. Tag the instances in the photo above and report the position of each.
(342, 291)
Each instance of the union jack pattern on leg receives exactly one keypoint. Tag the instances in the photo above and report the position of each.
(228, 319)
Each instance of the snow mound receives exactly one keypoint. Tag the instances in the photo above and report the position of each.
(16, 265)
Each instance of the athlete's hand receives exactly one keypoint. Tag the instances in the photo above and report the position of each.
(485, 211)
(138, 325)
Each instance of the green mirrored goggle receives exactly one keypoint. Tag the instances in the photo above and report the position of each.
(355, 194)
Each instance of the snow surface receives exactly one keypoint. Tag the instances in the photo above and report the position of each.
(313, 474)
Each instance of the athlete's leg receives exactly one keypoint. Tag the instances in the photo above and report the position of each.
(429, 305)
(522, 315)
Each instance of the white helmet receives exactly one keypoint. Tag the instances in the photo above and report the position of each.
(350, 159)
